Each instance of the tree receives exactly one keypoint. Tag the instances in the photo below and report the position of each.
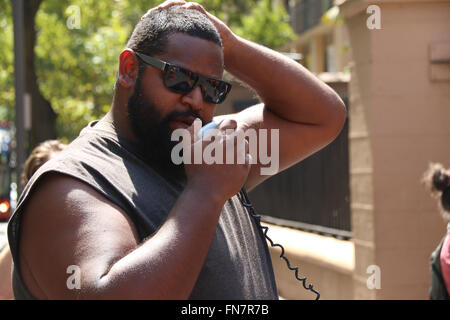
(81, 62)
(41, 108)
(266, 24)
(42, 112)
(6, 63)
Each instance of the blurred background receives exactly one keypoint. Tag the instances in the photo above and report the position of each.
(354, 217)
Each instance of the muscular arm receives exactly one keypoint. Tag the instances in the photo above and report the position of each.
(307, 112)
(68, 223)
(5, 274)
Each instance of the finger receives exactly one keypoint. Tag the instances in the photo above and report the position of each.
(195, 6)
(247, 147)
(241, 147)
(246, 152)
(248, 160)
(164, 5)
(194, 128)
(170, 3)
(241, 138)
(228, 124)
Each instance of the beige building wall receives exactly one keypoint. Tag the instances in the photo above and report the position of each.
(399, 118)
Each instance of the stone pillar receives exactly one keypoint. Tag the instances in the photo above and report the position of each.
(318, 54)
(399, 122)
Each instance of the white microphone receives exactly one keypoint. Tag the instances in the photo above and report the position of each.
(203, 132)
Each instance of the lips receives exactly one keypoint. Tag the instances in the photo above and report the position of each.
(181, 122)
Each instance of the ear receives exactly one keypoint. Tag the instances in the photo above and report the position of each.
(128, 68)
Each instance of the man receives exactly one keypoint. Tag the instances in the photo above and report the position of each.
(113, 218)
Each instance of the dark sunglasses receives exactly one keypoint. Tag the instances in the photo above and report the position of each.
(181, 80)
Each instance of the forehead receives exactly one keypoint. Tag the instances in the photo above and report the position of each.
(196, 54)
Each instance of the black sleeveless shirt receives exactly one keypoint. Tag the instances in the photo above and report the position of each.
(238, 264)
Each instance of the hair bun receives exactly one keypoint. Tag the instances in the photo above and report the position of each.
(445, 200)
(440, 180)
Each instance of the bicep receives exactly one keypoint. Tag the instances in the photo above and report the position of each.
(68, 226)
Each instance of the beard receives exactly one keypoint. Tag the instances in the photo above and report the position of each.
(153, 133)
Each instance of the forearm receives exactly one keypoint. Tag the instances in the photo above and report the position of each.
(286, 87)
(167, 265)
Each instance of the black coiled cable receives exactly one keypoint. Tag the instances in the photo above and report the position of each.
(246, 203)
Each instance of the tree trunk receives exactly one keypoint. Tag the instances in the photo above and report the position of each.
(43, 118)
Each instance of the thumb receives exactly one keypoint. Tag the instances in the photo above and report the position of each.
(194, 128)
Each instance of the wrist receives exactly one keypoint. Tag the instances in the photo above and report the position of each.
(229, 43)
(204, 192)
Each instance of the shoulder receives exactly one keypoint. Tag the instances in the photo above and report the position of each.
(57, 197)
(66, 222)
(55, 190)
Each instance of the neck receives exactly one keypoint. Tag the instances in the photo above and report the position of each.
(117, 117)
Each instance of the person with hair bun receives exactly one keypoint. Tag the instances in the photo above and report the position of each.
(40, 155)
(437, 181)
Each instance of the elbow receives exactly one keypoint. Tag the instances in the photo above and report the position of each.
(341, 114)
(337, 117)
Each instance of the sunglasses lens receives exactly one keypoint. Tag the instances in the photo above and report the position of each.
(215, 91)
(179, 80)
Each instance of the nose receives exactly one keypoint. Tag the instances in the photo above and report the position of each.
(194, 99)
